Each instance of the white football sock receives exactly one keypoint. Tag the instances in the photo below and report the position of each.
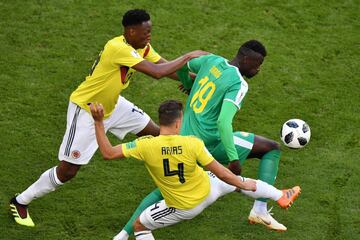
(123, 235)
(47, 182)
(144, 235)
(264, 190)
(260, 206)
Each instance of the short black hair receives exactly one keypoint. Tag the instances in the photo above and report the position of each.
(252, 46)
(135, 17)
(169, 111)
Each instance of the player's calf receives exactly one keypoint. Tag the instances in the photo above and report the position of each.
(141, 232)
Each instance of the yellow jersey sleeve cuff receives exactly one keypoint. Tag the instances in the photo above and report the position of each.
(136, 62)
(124, 150)
(210, 160)
(157, 59)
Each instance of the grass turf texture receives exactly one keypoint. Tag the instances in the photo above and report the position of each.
(311, 72)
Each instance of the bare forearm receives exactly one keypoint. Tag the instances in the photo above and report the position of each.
(166, 68)
(172, 75)
(107, 150)
(230, 178)
(225, 174)
(169, 68)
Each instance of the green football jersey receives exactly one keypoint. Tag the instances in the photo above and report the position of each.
(216, 81)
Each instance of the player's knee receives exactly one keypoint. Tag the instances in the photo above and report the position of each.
(71, 174)
(66, 171)
(274, 145)
(66, 175)
(138, 226)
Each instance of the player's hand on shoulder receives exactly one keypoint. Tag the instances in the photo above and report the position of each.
(97, 111)
(196, 53)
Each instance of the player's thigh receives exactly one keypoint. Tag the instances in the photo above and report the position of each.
(262, 146)
(126, 118)
(79, 141)
(159, 215)
(243, 141)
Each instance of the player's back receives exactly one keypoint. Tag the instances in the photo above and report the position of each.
(172, 162)
(215, 79)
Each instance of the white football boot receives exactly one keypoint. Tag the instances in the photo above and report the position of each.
(266, 219)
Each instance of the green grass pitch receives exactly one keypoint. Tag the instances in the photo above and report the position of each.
(311, 72)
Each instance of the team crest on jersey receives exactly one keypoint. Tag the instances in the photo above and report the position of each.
(130, 145)
(135, 54)
(75, 154)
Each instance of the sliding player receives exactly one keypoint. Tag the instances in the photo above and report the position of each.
(172, 162)
(215, 97)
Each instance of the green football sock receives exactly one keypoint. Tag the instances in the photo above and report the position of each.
(153, 197)
(268, 168)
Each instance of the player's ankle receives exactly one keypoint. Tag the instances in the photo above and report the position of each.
(19, 201)
(260, 206)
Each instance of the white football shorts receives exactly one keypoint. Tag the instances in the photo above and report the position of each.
(159, 215)
(79, 142)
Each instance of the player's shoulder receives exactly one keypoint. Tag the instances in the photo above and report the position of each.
(233, 73)
(213, 58)
(140, 143)
(118, 40)
(118, 43)
(145, 138)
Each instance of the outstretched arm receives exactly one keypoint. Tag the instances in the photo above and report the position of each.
(175, 75)
(164, 69)
(227, 176)
(172, 75)
(108, 151)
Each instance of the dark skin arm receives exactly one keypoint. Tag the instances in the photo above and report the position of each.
(174, 75)
(167, 68)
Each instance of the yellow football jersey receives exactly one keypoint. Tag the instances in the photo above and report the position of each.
(111, 73)
(172, 162)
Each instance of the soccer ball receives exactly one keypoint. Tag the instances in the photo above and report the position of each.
(295, 133)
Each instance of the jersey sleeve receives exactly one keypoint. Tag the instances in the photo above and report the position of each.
(228, 111)
(236, 94)
(127, 56)
(204, 157)
(194, 64)
(132, 149)
(184, 77)
(151, 55)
